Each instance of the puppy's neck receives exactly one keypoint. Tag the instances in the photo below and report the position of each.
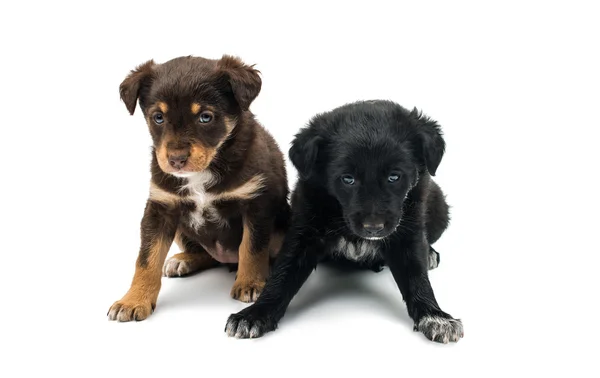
(197, 182)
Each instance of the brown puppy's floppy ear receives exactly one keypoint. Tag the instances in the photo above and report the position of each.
(244, 80)
(304, 152)
(130, 87)
(428, 141)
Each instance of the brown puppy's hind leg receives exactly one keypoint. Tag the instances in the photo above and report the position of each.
(192, 259)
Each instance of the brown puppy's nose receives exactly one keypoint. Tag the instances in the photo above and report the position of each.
(178, 161)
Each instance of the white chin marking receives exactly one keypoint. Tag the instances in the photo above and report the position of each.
(183, 174)
(361, 250)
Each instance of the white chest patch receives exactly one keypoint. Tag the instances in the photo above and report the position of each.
(197, 185)
(357, 251)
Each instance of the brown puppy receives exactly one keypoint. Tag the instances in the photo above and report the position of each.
(219, 186)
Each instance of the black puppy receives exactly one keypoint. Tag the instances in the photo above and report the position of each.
(364, 195)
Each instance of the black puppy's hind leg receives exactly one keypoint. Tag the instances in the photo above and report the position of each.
(434, 258)
(437, 220)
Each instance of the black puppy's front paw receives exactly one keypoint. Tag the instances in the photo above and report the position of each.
(440, 328)
(249, 323)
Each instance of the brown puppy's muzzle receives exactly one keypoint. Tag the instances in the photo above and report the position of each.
(194, 158)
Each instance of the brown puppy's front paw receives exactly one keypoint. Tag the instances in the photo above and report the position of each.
(247, 290)
(127, 310)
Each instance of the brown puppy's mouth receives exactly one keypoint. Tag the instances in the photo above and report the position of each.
(184, 162)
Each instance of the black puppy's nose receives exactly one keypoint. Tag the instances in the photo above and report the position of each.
(373, 227)
(178, 161)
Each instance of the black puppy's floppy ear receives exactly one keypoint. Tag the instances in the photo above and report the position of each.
(428, 141)
(244, 80)
(130, 87)
(304, 152)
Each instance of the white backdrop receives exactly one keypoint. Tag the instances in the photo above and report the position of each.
(514, 85)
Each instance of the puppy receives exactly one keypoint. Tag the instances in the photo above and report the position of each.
(219, 186)
(364, 196)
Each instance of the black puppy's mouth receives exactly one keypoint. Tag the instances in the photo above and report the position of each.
(374, 237)
(366, 231)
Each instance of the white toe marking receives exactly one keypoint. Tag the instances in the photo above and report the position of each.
(448, 329)
(230, 329)
(175, 267)
(433, 260)
(254, 331)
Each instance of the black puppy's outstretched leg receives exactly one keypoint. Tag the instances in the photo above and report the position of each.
(295, 263)
(408, 259)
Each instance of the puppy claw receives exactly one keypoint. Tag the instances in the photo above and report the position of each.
(441, 329)
(255, 332)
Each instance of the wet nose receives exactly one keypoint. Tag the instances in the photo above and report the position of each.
(373, 227)
(178, 161)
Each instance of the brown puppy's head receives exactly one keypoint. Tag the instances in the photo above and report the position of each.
(191, 105)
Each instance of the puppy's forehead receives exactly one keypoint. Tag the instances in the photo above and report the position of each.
(184, 78)
(369, 152)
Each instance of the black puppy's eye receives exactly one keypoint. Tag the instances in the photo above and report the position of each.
(205, 117)
(158, 118)
(393, 177)
(348, 180)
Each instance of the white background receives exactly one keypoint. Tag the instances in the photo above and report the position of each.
(515, 86)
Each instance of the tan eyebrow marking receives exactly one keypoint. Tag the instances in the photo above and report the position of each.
(195, 108)
(163, 107)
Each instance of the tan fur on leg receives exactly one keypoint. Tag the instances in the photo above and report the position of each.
(140, 300)
(253, 269)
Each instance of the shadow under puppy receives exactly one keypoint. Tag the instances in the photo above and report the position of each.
(219, 186)
(365, 197)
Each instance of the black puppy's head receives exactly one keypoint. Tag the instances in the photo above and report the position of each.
(369, 156)
(191, 106)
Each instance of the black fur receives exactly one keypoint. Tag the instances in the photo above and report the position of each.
(388, 211)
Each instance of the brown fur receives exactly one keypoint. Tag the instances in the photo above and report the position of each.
(252, 270)
(219, 186)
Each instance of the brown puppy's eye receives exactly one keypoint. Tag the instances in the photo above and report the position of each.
(158, 118)
(205, 117)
